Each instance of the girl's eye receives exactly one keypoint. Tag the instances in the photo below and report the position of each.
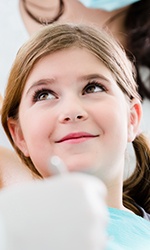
(93, 87)
(43, 94)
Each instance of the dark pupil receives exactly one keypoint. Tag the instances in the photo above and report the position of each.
(43, 96)
(90, 89)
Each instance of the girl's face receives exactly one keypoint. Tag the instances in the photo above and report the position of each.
(72, 107)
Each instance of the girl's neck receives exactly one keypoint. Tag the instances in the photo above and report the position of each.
(114, 197)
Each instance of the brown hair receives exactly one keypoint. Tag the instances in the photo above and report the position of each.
(137, 32)
(137, 25)
(62, 36)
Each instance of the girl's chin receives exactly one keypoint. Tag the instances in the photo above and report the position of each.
(85, 168)
(74, 163)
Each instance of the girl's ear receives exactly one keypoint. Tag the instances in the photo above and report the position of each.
(17, 135)
(135, 114)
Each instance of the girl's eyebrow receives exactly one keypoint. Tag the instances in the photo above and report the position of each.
(47, 81)
(43, 81)
(92, 76)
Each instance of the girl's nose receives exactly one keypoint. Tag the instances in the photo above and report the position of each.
(73, 114)
(73, 118)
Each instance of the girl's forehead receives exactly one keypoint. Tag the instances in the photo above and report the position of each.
(69, 60)
(74, 54)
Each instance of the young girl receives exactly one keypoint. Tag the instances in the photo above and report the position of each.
(72, 93)
(127, 20)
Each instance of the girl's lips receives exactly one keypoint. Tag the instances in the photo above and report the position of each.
(76, 136)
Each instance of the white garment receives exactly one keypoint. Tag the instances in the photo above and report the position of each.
(145, 127)
(2, 233)
(13, 35)
(145, 124)
(65, 212)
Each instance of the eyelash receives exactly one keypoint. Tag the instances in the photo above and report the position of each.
(96, 84)
(39, 92)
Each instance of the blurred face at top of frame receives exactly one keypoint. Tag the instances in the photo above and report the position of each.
(72, 107)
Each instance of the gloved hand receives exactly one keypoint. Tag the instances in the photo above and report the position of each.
(64, 212)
